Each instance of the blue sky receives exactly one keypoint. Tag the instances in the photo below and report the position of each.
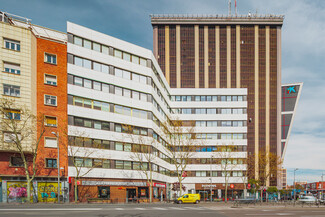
(303, 50)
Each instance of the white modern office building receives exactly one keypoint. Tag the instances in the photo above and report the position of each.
(117, 92)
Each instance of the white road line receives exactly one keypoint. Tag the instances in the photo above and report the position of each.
(284, 213)
(119, 208)
(176, 208)
(159, 208)
(141, 208)
(52, 209)
(193, 208)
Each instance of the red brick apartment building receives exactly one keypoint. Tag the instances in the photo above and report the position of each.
(35, 67)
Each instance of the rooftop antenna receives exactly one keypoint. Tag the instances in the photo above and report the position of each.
(229, 8)
(236, 7)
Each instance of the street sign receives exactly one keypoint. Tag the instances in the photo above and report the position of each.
(248, 186)
(232, 186)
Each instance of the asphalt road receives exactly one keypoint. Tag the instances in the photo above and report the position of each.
(153, 210)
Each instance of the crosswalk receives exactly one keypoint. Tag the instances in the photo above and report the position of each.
(174, 208)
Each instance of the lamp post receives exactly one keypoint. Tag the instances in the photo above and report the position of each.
(211, 179)
(322, 196)
(294, 185)
(58, 164)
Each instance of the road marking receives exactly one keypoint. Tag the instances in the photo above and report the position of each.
(194, 208)
(141, 208)
(176, 208)
(52, 209)
(284, 213)
(159, 208)
(119, 208)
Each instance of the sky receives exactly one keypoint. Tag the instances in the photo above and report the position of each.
(303, 51)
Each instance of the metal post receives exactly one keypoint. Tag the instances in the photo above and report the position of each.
(322, 196)
(211, 179)
(294, 185)
(58, 164)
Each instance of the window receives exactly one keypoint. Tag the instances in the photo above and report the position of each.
(50, 100)
(50, 121)
(143, 62)
(88, 162)
(96, 46)
(50, 79)
(78, 81)
(11, 90)
(87, 44)
(118, 146)
(78, 162)
(104, 49)
(128, 165)
(97, 66)
(119, 164)
(87, 83)
(50, 58)
(12, 114)
(118, 53)
(118, 73)
(51, 163)
(16, 161)
(97, 86)
(50, 142)
(11, 68)
(201, 173)
(106, 164)
(98, 163)
(10, 137)
(11, 44)
(77, 41)
(127, 57)
(135, 59)
(127, 147)
(78, 61)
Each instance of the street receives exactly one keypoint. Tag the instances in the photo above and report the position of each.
(149, 210)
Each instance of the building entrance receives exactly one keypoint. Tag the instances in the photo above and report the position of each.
(131, 194)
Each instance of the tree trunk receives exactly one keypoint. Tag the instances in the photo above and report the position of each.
(28, 189)
(180, 188)
(150, 192)
(226, 193)
(75, 191)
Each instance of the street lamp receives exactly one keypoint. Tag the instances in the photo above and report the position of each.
(322, 186)
(294, 185)
(58, 164)
(211, 179)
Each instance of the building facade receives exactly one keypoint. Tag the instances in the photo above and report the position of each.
(114, 85)
(229, 52)
(33, 60)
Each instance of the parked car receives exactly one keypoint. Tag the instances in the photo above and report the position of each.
(307, 199)
(189, 198)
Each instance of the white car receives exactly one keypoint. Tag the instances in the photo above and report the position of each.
(307, 199)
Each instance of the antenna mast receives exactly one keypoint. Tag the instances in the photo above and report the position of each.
(229, 8)
(236, 7)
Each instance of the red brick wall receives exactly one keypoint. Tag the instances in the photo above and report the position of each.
(59, 111)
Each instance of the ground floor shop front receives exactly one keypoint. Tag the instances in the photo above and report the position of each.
(215, 191)
(14, 190)
(117, 191)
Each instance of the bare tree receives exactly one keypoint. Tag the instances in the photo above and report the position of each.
(144, 154)
(181, 142)
(269, 165)
(228, 161)
(80, 151)
(24, 130)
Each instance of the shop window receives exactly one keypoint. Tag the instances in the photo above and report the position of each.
(104, 192)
